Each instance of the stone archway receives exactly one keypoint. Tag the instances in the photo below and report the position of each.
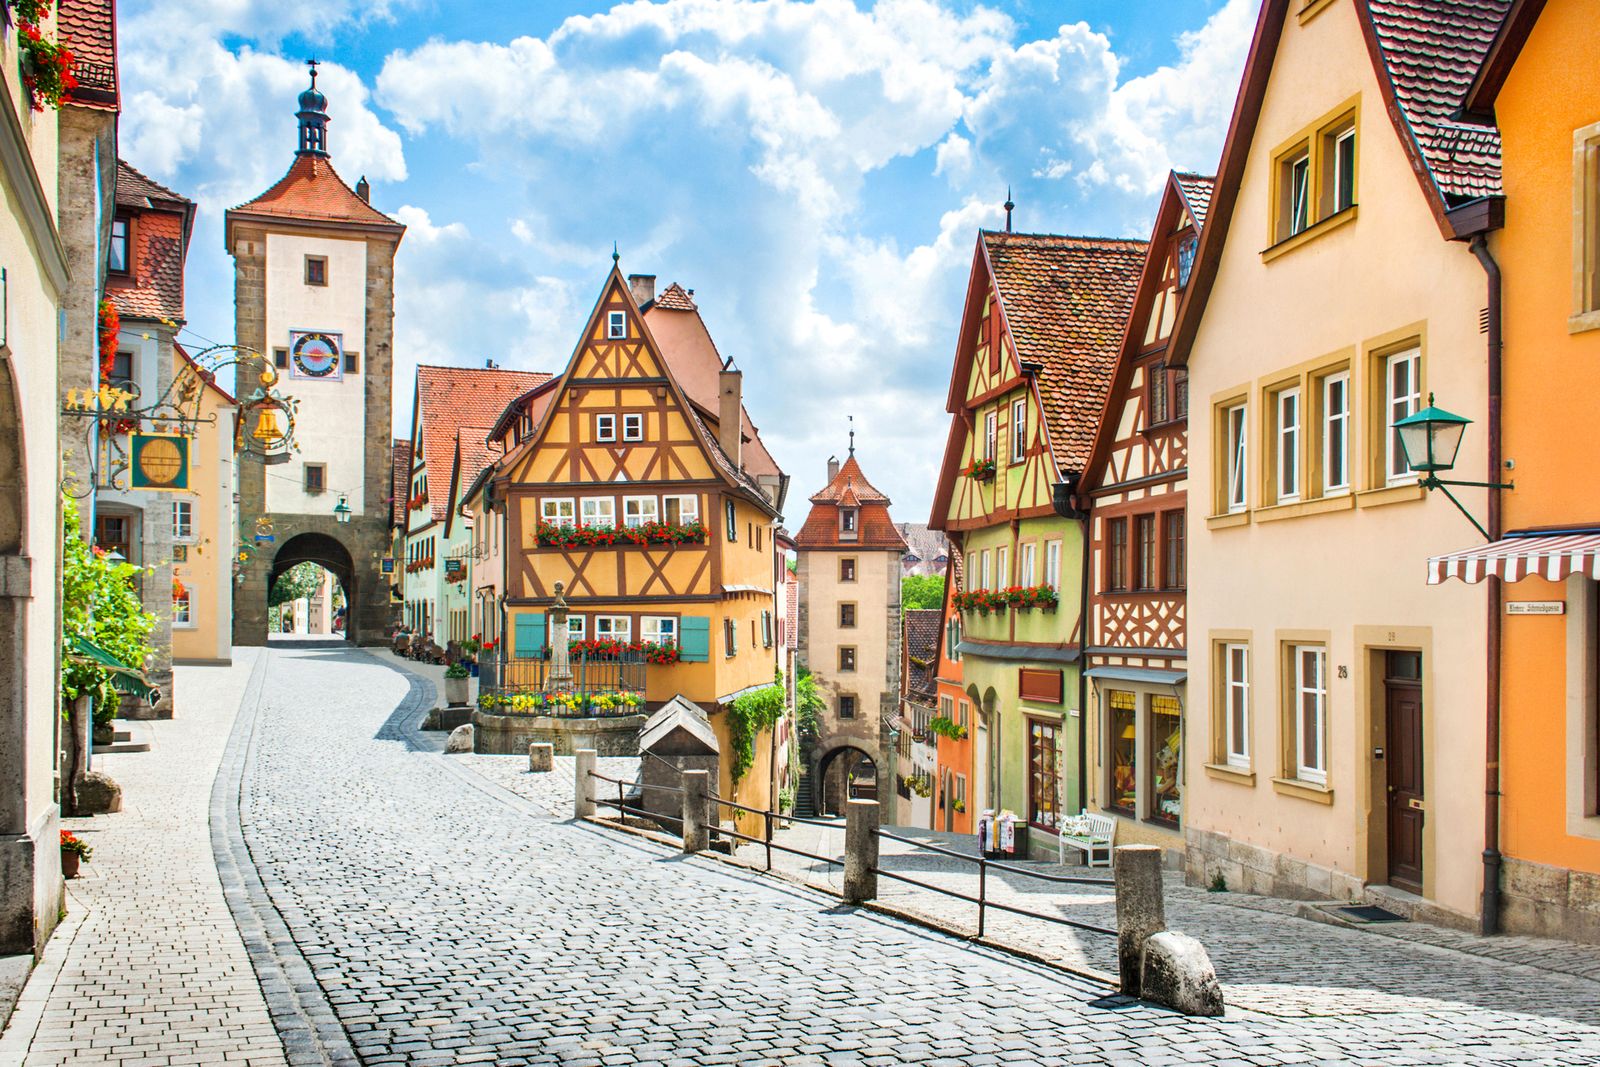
(834, 765)
(327, 553)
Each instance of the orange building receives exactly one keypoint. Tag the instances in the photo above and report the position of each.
(1538, 86)
(952, 806)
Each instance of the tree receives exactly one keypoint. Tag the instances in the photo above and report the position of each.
(922, 591)
(809, 704)
(100, 605)
(296, 583)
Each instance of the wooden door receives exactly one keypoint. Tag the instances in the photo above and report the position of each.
(1407, 810)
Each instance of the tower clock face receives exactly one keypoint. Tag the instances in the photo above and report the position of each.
(315, 355)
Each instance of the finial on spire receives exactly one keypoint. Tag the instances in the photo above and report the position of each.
(1008, 205)
(313, 116)
(852, 436)
(313, 63)
(615, 255)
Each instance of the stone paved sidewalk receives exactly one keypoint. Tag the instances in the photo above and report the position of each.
(149, 967)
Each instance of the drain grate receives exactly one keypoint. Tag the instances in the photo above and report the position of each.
(1371, 913)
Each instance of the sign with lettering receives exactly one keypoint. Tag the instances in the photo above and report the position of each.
(314, 355)
(1536, 607)
(454, 568)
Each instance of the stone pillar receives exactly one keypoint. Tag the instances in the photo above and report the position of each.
(583, 801)
(695, 793)
(860, 851)
(541, 756)
(1140, 908)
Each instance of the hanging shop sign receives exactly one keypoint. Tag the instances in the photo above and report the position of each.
(316, 355)
(454, 568)
(158, 461)
(387, 564)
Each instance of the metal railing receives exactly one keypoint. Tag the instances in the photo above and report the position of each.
(621, 803)
(765, 840)
(586, 676)
(982, 899)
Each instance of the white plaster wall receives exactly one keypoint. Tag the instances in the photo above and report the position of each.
(330, 424)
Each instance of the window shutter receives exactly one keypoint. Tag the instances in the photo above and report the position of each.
(694, 639)
(529, 635)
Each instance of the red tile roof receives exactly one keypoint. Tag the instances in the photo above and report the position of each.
(153, 287)
(1196, 189)
(675, 298)
(1431, 51)
(88, 29)
(312, 191)
(1065, 302)
(401, 483)
(450, 398)
(875, 528)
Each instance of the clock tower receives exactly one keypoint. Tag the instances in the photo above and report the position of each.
(314, 294)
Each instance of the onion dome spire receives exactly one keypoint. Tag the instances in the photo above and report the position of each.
(313, 116)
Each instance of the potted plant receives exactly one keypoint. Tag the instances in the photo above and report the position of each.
(73, 852)
(455, 685)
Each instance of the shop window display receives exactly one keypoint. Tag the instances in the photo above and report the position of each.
(1165, 757)
(1124, 752)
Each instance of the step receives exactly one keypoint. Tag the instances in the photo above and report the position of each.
(130, 736)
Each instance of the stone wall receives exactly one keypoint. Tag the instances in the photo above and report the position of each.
(1250, 869)
(1549, 901)
(510, 735)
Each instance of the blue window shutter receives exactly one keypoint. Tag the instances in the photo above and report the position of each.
(694, 639)
(530, 635)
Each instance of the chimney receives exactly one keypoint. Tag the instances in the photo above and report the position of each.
(730, 398)
(833, 468)
(644, 288)
(363, 190)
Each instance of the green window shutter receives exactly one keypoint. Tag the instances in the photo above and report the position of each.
(530, 636)
(694, 639)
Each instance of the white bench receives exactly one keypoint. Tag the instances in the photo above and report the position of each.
(1101, 835)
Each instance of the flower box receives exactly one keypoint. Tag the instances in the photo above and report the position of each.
(980, 470)
(553, 535)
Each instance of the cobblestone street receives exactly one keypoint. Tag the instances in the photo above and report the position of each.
(443, 909)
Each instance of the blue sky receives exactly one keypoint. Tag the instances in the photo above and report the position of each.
(816, 172)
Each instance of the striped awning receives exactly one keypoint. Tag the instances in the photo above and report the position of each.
(1552, 556)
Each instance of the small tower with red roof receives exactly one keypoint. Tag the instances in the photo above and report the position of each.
(314, 294)
(849, 568)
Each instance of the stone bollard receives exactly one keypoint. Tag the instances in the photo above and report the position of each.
(860, 851)
(1140, 908)
(583, 800)
(695, 791)
(541, 756)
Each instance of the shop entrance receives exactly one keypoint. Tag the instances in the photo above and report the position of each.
(1402, 685)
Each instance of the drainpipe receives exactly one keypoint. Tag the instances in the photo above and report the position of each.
(1070, 505)
(1489, 921)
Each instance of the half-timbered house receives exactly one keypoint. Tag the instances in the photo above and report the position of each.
(1039, 336)
(639, 501)
(1134, 488)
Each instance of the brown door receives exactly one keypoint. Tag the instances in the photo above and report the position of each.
(1403, 699)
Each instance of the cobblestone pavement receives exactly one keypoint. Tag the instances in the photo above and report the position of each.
(149, 967)
(448, 919)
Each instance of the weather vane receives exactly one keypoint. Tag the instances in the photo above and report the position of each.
(313, 62)
(852, 435)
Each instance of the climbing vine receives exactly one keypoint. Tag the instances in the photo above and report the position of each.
(748, 716)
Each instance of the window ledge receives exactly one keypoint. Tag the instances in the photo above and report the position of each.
(1584, 322)
(1294, 787)
(1223, 772)
(1310, 233)
(1232, 518)
(1390, 494)
(1315, 506)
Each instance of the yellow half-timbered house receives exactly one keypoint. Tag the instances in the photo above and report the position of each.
(636, 499)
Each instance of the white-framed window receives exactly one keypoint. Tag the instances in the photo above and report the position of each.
(638, 510)
(991, 435)
(1310, 712)
(680, 509)
(1288, 458)
(183, 520)
(1052, 564)
(599, 511)
(1299, 193)
(605, 427)
(1019, 429)
(731, 514)
(1025, 561)
(616, 325)
(558, 511)
(577, 627)
(1236, 704)
(848, 518)
(1237, 431)
(1336, 434)
(983, 570)
(181, 613)
(1344, 170)
(1002, 567)
(615, 627)
(659, 629)
(1402, 396)
(633, 427)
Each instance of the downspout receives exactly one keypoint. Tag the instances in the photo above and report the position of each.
(1489, 920)
(1070, 505)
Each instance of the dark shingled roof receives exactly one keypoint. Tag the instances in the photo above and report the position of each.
(401, 483)
(1066, 300)
(923, 629)
(138, 190)
(1431, 51)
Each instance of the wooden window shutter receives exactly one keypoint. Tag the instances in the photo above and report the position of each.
(694, 639)
(529, 635)
(1042, 687)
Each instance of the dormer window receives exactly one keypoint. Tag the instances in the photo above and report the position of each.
(117, 257)
(616, 325)
(848, 519)
(1186, 250)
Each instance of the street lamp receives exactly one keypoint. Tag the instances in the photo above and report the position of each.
(1430, 440)
(341, 511)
